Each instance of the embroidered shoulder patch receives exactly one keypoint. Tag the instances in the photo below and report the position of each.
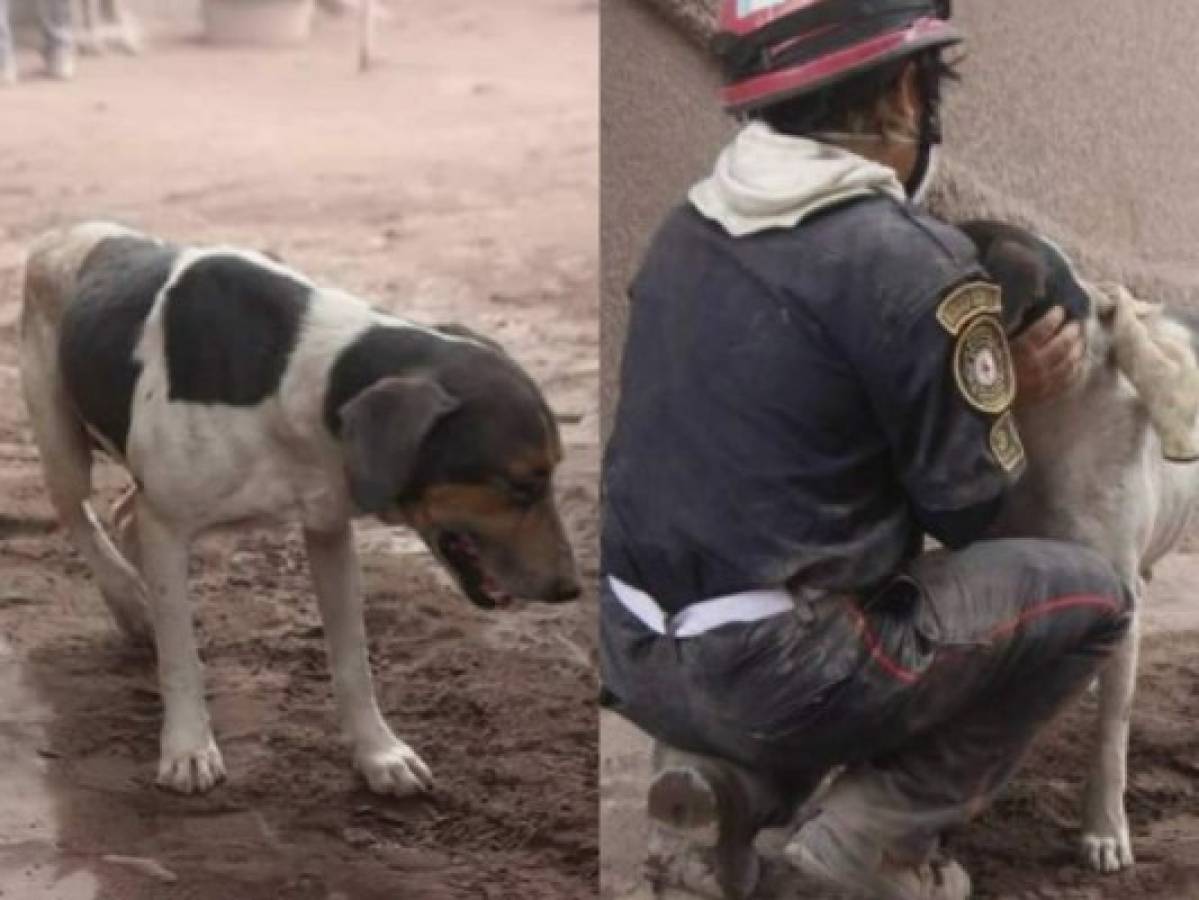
(982, 365)
(972, 299)
(1005, 442)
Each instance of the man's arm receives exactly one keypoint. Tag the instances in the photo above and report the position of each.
(942, 384)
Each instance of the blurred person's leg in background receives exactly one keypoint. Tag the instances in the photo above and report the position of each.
(8, 59)
(59, 47)
(120, 28)
(107, 25)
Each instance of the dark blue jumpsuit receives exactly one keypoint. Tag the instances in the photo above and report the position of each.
(800, 408)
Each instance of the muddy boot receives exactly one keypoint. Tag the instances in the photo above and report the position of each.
(838, 859)
(716, 805)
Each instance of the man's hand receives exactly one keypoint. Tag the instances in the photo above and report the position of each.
(1047, 357)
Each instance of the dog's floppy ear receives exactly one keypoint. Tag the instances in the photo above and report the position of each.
(1032, 270)
(1014, 259)
(1023, 275)
(382, 430)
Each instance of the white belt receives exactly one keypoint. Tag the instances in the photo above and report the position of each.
(747, 606)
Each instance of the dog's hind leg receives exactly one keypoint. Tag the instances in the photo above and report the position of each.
(67, 462)
(1106, 842)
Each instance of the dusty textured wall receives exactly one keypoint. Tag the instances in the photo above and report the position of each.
(1078, 117)
(660, 123)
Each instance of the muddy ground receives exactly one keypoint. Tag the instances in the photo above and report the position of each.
(456, 183)
(1024, 847)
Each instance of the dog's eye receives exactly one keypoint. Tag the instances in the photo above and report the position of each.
(525, 493)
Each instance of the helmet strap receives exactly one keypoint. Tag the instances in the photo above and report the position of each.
(921, 179)
(924, 174)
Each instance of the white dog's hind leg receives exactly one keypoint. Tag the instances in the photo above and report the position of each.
(190, 761)
(389, 765)
(1106, 842)
(67, 463)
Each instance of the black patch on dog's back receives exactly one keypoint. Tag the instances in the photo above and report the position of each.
(101, 325)
(230, 326)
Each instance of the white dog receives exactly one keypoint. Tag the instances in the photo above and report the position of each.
(1110, 465)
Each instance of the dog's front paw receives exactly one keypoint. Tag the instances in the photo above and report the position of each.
(190, 768)
(1106, 843)
(394, 769)
(1107, 853)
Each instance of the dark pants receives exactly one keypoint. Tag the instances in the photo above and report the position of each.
(930, 690)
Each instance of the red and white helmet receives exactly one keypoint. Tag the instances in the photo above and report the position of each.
(775, 50)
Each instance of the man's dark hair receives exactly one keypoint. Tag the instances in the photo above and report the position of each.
(849, 104)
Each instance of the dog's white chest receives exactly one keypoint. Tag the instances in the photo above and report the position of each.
(214, 464)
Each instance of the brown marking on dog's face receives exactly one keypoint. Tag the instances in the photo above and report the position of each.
(501, 539)
(481, 494)
(501, 536)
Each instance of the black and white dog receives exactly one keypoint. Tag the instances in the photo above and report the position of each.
(234, 388)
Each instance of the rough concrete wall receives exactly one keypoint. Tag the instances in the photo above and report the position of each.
(660, 123)
(1081, 116)
(1077, 117)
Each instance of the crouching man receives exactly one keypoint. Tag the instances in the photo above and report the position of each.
(815, 378)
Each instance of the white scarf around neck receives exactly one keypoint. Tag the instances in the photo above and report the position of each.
(764, 180)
